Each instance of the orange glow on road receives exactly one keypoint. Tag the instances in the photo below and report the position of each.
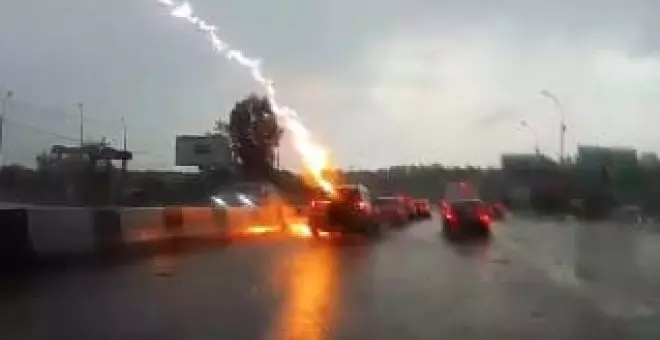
(300, 230)
(260, 230)
(310, 295)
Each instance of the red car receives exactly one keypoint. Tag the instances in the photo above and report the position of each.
(409, 205)
(423, 208)
(466, 216)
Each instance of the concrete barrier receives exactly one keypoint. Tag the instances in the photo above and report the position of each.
(173, 218)
(59, 231)
(142, 225)
(204, 221)
(55, 231)
(107, 230)
(15, 245)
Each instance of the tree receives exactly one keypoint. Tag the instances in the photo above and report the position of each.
(254, 135)
(222, 127)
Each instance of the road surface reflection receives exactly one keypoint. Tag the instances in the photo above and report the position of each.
(310, 295)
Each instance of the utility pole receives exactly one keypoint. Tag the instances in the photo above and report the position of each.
(537, 150)
(123, 126)
(562, 124)
(80, 109)
(123, 160)
(5, 104)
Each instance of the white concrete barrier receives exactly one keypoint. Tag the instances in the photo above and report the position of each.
(67, 230)
(204, 221)
(142, 224)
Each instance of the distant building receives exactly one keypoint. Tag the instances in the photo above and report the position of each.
(526, 162)
(86, 173)
(527, 176)
(612, 171)
(649, 160)
(207, 152)
(598, 156)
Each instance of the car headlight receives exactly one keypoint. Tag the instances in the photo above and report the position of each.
(245, 200)
(219, 201)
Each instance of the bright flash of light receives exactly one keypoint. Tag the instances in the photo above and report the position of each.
(300, 230)
(260, 230)
(313, 155)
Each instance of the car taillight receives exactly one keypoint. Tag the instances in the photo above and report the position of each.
(361, 205)
(444, 206)
(318, 204)
(484, 218)
(449, 214)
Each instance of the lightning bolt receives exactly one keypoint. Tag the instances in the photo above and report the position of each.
(314, 157)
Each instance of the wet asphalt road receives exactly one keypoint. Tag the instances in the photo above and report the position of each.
(533, 279)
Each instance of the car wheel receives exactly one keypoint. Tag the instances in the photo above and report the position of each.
(447, 232)
(374, 230)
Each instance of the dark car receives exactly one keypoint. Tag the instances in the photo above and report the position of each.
(466, 217)
(349, 210)
(261, 207)
(391, 210)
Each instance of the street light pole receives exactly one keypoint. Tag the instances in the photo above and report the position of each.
(123, 161)
(123, 126)
(5, 105)
(80, 109)
(562, 124)
(537, 150)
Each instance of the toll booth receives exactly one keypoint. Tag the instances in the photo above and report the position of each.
(88, 170)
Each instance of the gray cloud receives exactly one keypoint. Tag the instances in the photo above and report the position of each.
(499, 116)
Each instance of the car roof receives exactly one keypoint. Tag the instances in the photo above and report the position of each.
(471, 200)
(350, 186)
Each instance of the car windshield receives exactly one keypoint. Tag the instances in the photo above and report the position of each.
(386, 200)
(467, 206)
(348, 193)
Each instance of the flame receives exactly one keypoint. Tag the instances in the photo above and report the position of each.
(314, 157)
(260, 230)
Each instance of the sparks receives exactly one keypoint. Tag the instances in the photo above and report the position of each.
(313, 155)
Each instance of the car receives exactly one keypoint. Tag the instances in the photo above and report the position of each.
(409, 205)
(391, 210)
(349, 210)
(468, 216)
(253, 208)
(423, 208)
